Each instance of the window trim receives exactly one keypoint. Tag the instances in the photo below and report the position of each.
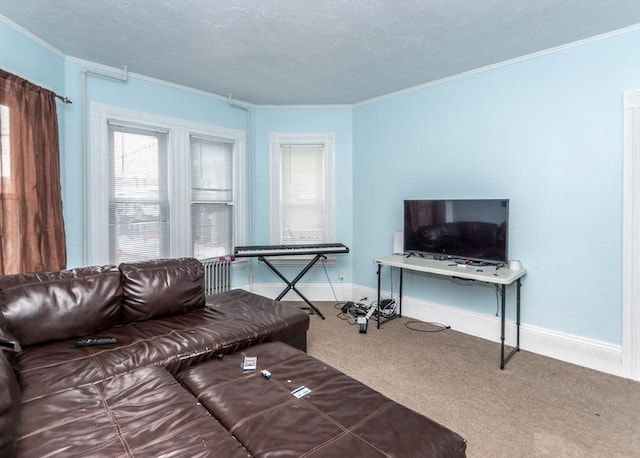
(276, 140)
(630, 237)
(179, 132)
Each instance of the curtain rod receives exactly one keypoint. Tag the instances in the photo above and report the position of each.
(62, 98)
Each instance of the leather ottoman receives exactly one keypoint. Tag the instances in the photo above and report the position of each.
(338, 416)
(143, 413)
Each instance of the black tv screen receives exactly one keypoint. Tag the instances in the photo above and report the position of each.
(468, 229)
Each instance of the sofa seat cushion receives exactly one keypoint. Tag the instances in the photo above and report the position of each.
(252, 312)
(234, 320)
(339, 417)
(143, 413)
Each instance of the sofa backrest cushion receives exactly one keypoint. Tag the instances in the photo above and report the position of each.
(161, 287)
(42, 307)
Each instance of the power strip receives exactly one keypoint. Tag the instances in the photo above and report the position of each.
(371, 311)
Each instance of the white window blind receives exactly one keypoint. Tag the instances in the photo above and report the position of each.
(303, 194)
(5, 149)
(211, 197)
(5, 157)
(138, 201)
(302, 188)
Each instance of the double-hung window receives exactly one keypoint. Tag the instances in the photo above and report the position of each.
(302, 187)
(5, 148)
(138, 194)
(162, 187)
(212, 202)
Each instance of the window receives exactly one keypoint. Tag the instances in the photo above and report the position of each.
(302, 189)
(5, 158)
(162, 187)
(138, 197)
(211, 197)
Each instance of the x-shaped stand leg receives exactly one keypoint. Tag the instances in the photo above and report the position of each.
(291, 285)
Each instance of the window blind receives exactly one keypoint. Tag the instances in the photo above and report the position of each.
(5, 151)
(302, 194)
(211, 197)
(138, 201)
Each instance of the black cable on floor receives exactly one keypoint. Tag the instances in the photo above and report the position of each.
(441, 327)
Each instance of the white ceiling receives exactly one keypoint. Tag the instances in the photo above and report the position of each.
(311, 51)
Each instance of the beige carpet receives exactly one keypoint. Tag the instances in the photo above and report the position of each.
(536, 407)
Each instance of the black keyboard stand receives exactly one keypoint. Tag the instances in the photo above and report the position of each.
(291, 285)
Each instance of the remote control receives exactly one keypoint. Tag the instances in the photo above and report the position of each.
(97, 341)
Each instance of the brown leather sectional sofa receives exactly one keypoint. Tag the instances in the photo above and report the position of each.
(173, 385)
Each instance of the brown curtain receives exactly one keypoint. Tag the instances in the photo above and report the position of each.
(32, 237)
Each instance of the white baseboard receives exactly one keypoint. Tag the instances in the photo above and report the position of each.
(594, 354)
(312, 291)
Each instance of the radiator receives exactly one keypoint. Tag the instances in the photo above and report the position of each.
(217, 275)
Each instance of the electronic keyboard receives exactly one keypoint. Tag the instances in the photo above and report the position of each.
(318, 251)
(289, 250)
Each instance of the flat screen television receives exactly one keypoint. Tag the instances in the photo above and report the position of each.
(474, 230)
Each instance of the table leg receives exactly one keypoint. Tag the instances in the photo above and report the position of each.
(378, 301)
(502, 325)
(518, 315)
(503, 359)
(400, 295)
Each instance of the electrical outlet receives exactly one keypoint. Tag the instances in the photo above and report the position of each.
(340, 274)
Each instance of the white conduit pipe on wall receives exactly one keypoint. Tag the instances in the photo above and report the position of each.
(85, 72)
(249, 169)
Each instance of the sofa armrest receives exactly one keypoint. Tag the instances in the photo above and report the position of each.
(10, 402)
(7, 341)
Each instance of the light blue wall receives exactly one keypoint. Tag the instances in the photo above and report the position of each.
(545, 133)
(305, 120)
(22, 55)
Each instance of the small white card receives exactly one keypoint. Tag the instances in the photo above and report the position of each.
(249, 363)
(301, 391)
